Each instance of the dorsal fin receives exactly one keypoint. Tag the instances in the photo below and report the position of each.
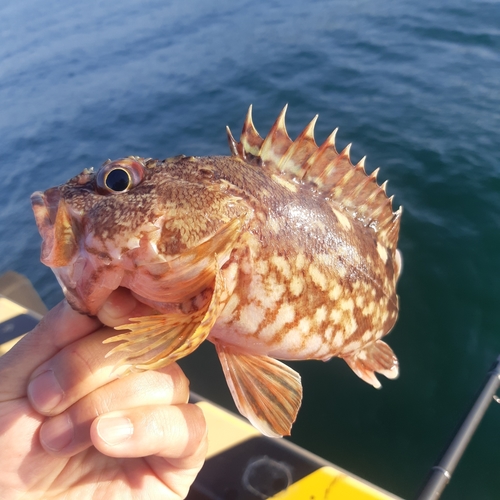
(323, 168)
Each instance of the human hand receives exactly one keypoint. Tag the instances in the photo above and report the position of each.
(69, 428)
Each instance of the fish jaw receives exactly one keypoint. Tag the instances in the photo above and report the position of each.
(85, 281)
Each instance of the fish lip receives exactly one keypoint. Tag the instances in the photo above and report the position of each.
(45, 205)
(56, 227)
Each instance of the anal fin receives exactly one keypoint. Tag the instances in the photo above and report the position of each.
(374, 357)
(156, 341)
(265, 390)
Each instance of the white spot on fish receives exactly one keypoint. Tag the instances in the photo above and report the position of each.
(305, 326)
(274, 224)
(251, 316)
(360, 301)
(335, 292)
(352, 326)
(286, 314)
(347, 304)
(320, 315)
(368, 335)
(336, 316)
(319, 279)
(300, 261)
(261, 266)
(382, 252)
(338, 340)
(296, 286)
(328, 334)
(282, 265)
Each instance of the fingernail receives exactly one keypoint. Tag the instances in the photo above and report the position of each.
(114, 430)
(44, 391)
(57, 433)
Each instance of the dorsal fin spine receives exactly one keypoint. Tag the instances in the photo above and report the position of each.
(360, 185)
(233, 145)
(299, 151)
(316, 167)
(346, 152)
(277, 141)
(250, 138)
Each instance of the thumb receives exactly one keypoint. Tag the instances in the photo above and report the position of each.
(120, 306)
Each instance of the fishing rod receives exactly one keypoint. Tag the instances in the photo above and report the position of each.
(441, 473)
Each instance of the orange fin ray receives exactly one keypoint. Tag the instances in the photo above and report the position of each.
(265, 391)
(346, 186)
(375, 357)
(157, 341)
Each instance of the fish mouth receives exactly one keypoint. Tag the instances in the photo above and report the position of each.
(85, 281)
(55, 226)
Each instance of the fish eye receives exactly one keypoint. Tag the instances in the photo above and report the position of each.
(119, 176)
(117, 180)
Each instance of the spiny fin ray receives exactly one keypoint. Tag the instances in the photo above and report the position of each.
(250, 140)
(276, 142)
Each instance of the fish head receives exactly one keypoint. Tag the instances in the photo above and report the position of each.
(148, 225)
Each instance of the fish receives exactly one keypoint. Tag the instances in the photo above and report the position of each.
(284, 250)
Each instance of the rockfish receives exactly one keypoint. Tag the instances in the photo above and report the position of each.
(283, 250)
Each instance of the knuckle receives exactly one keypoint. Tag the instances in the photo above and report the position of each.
(179, 379)
(179, 383)
(197, 427)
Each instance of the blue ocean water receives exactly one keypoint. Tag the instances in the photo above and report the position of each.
(414, 85)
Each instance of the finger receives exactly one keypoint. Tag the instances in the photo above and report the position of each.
(68, 433)
(177, 433)
(73, 373)
(60, 327)
(120, 306)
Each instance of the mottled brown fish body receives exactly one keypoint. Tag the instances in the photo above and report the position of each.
(284, 250)
(305, 281)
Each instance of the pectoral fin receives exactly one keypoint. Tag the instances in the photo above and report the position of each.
(264, 390)
(156, 341)
(375, 357)
(191, 272)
